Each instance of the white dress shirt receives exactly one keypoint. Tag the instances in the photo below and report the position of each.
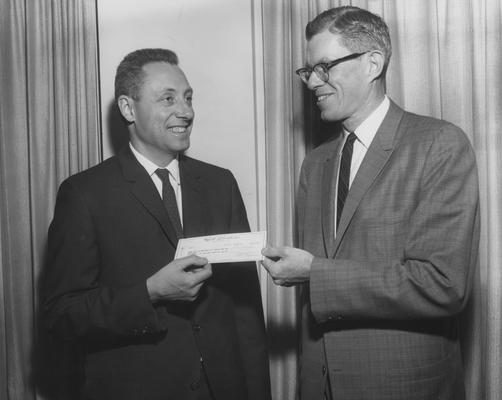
(174, 176)
(365, 133)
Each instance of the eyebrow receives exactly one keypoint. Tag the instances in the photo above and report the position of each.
(323, 60)
(172, 90)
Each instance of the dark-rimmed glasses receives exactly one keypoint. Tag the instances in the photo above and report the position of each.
(322, 69)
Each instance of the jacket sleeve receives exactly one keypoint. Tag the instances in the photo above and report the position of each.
(431, 276)
(75, 303)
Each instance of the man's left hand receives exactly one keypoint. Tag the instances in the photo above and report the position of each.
(287, 265)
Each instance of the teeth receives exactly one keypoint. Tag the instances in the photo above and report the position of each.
(178, 129)
(322, 97)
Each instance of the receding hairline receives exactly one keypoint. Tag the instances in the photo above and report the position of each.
(176, 67)
(356, 29)
(130, 72)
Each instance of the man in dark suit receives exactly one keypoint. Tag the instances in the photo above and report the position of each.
(150, 327)
(388, 230)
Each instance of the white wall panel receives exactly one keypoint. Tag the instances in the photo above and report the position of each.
(214, 40)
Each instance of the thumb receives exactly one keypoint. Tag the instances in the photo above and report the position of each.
(192, 260)
(273, 252)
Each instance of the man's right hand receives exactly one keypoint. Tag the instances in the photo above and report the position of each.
(180, 280)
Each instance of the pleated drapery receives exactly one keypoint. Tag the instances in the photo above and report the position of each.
(49, 129)
(447, 63)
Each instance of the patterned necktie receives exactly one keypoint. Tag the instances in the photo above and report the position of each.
(344, 175)
(169, 199)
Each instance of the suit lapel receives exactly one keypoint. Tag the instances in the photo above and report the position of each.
(195, 207)
(328, 196)
(376, 157)
(144, 190)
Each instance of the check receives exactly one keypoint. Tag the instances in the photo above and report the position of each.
(230, 247)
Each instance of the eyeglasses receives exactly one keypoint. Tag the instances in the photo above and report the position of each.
(322, 69)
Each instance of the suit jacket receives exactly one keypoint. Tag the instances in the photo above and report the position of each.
(380, 310)
(110, 232)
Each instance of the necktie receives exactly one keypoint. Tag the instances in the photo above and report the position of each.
(344, 175)
(169, 199)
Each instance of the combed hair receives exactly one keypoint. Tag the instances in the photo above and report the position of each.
(130, 74)
(359, 29)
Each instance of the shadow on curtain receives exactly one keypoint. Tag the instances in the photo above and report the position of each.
(50, 129)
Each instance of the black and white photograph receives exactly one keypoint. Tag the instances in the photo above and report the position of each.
(251, 200)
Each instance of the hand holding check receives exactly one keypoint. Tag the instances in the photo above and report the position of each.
(287, 265)
(180, 280)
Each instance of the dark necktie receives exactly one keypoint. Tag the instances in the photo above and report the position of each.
(169, 199)
(344, 175)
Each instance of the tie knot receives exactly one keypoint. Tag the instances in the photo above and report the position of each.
(352, 137)
(163, 174)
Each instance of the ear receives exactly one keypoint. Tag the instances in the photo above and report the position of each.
(376, 64)
(126, 107)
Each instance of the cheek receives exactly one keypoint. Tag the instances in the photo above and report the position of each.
(166, 116)
(352, 92)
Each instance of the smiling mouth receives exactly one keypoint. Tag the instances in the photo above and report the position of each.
(177, 129)
(322, 97)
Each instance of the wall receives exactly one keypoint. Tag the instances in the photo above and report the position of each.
(215, 41)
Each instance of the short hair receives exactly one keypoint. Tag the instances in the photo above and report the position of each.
(130, 74)
(359, 30)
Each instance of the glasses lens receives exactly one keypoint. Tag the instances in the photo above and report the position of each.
(321, 72)
(304, 74)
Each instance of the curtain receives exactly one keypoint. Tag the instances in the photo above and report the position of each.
(49, 129)
(285, 137)
(446, 63)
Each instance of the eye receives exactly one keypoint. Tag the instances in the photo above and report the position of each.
(188, 99)
(169, 99)
(321, 67)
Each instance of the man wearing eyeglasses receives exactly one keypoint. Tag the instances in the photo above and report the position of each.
(388, 225)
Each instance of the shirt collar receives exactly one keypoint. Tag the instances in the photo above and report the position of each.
(367, 130)
(151, 167)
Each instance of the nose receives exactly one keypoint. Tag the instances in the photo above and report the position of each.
(184, 110)
(314, 81)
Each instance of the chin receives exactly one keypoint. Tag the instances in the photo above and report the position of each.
(183, 146)
(329, 117)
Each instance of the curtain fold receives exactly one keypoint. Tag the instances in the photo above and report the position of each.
(446, 63)
(49, 129)
(281, 302)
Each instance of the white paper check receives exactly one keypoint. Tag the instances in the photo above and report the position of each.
(230, 247)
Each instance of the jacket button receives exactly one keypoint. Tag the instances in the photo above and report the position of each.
(196, 328)
(323, 370)
(195, 385)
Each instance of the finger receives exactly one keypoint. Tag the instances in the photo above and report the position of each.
(194, 259)
(278, 282)
(197, 269)
(268, 264)
(196, 290)
(202, 274)
(193, 293)
(274, 252)
(191, 262)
